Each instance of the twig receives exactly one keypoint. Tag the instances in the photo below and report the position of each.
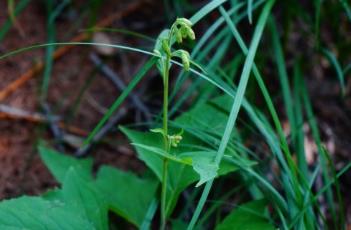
(8, 112)
(54, 127)
(117, 81)
(64, 49)
(104, 130)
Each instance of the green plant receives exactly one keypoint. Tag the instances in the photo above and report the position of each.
(208, 142)
(180, 29)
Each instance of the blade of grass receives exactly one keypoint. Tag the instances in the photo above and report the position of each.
(145, 225)
(347, 8)
(290, 168)
(137, 78)
(217, 205)
(332, 59)
(317, 5)
(236, 104)
(341, 207)
(206, 10)
(320, 192)
(249, 10)
(51, 34)
(121, 31)
(316, 136)
(298, 125)
(310, 218)
(200, 53)
(283, 75)
(20, 6)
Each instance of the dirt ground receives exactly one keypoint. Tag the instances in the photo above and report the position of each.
(22, 171)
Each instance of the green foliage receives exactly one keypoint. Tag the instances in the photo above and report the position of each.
(127, 195)
(181, 174)
(86, 198)
(203, 144)
(38, 213)
(249, 216)
(123, 193)
(59, 164)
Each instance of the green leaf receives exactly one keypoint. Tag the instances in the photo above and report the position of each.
(59, 163)
(180, 175)
(204, 117)
(203, 166)
(206, 171)
(128, 195)
(85, 198)
(40, 214)
(153, 161)
(162, 153)
(249, 216)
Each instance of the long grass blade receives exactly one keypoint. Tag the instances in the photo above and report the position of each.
(206, 10)
(51, 34)
(332, 58)
(236, 105)
(316, 136)
(249, 10)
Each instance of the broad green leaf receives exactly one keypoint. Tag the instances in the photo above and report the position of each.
(204, 166)
(180, 175)
(153, 161)
(204, 117)
(53, 194)
(59, 163)
(85, 198)
(206, 171)
(249, 216)
(162, 153)
(128, 195)
(40, 214)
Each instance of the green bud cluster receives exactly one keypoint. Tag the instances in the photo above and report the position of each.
(181, 29)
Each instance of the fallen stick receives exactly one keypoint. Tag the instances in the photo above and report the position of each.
(104, 130)
(8, 112)
(64, 49)
(120, 85)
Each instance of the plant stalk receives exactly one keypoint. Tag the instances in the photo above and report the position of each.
(166, 144)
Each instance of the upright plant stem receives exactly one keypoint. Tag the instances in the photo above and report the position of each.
(166, 144)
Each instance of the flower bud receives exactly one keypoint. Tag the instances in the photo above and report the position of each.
(185, 60)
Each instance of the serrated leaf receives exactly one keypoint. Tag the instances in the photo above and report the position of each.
(59, 163)
(128, 195)
(249, 216)
(40, 214)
